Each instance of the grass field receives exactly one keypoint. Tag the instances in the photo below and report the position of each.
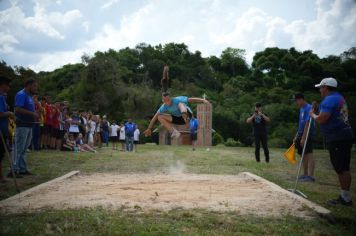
(219, 160)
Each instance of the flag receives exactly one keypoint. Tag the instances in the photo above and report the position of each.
(290, 154)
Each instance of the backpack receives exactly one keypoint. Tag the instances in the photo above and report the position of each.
(130, 129)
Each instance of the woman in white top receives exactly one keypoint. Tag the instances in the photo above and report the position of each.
(136, 138)
(122, 137)
(114, 135)
(91, 126)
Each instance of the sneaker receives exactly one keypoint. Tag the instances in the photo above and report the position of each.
(302, 177)
(307, 179)
(17, 175)
(175, 134)
(339, 201)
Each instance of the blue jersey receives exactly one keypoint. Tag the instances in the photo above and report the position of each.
(4, 124)
(25, 101)
(304, 117)
(337, 127)
(193, 125)
(173, 109)
(130, 128)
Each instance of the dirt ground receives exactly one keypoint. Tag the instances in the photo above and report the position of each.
(241, 193)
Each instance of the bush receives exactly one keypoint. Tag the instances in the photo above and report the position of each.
(278, 143)
(217, 139)
(230, 142)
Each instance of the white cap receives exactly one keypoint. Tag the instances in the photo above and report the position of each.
(327, 82)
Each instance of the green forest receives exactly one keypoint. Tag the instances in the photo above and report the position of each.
(126, 83)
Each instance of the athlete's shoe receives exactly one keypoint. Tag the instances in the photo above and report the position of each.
(175, 134)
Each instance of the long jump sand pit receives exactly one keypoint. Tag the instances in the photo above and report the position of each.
(244, 193)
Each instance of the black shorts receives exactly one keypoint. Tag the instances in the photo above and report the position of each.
(178, 120)
(308, 147)
(114, 138)
(340, 155)
(56, 133)
(47, 129)
(194, 136)
(136, 142)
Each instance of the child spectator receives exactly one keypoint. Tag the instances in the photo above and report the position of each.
(136, 138)
(114, 135)
(122, 137)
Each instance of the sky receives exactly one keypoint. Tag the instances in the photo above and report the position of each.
(46, 34)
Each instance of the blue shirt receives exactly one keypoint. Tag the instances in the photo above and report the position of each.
(173, 109)
(4, 124)
(193, 125)
(304, 117)
(25, 101)
(337, 127)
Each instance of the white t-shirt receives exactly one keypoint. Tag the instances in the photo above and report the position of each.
(122, 133)
(137, 135)
(114, 129)
(92, 125)
(73, 128)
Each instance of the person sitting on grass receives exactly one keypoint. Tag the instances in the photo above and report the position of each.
(82, 146)
(173, 111)
(67, 145)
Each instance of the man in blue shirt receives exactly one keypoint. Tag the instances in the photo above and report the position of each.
(173, 111)
(301, 136)
(130, 128)
(194, 126)
(25, 118)
(334, 124)
(4, 116)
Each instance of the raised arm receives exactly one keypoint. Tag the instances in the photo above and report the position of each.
(197, 100)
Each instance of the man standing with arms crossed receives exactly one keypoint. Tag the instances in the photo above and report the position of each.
(173, 111)
(334, 124)
(301, 136)
(25, 117)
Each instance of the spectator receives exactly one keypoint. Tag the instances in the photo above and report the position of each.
(97, 135)
(136, 137)
(48, 123)
(114, 134)
(259, 121)
(62, 121)
(122, 137)
(43, 141)
(36, 139)
(130, 128)
(67, 145)
(25, 117)
(4, 115)
(91, 127)
(194, 126)
(82, 146)
(74, 124)
(105, 131)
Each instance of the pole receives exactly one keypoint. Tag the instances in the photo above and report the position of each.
(294, 190)
(10, 160)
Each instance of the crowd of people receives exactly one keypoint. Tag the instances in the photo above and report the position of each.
(37, 124)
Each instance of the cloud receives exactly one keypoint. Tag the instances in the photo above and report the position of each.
(109, 4)
(7, 42)
(56, 37)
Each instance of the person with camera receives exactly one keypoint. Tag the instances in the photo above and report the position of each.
(259, 120)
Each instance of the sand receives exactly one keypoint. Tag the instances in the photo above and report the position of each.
(243, 193)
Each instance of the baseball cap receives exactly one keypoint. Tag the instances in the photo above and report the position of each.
(327, 82)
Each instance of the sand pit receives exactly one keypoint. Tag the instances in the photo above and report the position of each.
(244, 193)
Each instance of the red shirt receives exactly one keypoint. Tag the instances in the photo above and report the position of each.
(48, 119)
(55, 117)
